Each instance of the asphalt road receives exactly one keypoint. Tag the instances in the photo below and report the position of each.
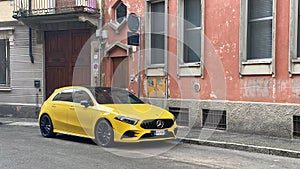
(23, 147)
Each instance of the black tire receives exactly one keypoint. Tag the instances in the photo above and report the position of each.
(46, 126)
(104, 134)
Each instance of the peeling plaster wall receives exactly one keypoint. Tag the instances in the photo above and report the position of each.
(222, 23)
(133, 6)
(220, 81)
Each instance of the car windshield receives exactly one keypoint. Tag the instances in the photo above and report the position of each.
(114, 96)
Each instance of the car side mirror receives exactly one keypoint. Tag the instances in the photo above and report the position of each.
(85, 103)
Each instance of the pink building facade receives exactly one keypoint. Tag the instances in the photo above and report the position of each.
(217, 64)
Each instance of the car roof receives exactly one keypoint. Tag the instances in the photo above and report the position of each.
(105, 88)
(96, 88)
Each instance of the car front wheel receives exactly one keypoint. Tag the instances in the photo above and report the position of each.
(104, 134)
(46, 126)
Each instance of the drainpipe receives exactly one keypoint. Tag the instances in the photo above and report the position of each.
(29, 6)
(30, 46)
(166, 44)
(139, 59)
(100, 48)
(30, 35)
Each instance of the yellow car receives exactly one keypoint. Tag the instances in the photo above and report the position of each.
(104, 114)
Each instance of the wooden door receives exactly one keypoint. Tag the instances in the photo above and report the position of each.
(62, 49)
(81, 57)
(120, 77)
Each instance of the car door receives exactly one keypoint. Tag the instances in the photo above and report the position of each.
(61, 105)
(81, 117)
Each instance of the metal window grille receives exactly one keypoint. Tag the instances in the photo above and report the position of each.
(181, 115)
(214, 119)
(296, 126)
(43, 7)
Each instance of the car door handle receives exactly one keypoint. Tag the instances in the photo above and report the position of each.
(72, 107)
(53, 105)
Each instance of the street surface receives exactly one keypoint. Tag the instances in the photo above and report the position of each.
(22, 147)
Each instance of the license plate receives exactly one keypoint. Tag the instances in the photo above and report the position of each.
(159, 132)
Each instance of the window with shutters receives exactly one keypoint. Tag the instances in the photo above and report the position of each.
(257, 37)
(4, 63)
(190, 40)
(155, 39)
(294, 49)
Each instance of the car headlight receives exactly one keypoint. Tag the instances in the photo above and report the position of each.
(127, 120)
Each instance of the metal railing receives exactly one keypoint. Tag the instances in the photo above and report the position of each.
(24, 8)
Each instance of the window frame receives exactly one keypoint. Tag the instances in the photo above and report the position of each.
(7, 66)
(294, 61)
(155, 69)
(255, 66)
(116, 12)
(194, 68)
(90, 100)
(114, 24)
(57, 97)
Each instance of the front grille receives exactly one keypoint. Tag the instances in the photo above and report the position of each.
(152, 136)
(152, 124)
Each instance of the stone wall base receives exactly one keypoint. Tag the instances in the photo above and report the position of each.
(270, 119)
(19, 111)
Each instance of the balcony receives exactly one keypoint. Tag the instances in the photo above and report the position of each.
(40, 12)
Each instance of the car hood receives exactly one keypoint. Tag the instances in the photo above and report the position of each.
(140, 111)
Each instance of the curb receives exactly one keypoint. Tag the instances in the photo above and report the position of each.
(19, 123)
(30, 124)
(5, 122)
(242, 147)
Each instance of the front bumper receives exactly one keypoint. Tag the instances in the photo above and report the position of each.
(128, 133)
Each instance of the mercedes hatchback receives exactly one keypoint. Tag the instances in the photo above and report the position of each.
(106, 115)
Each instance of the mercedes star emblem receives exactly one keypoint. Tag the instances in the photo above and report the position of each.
(160, 124)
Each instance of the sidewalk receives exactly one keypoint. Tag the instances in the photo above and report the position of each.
(244, 142)
(216, 138)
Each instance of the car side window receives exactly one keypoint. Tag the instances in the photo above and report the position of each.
(57, 97)
(65, 96)
(80, 95)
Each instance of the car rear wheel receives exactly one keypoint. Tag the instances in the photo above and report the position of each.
(46, 126)
(104, 134)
